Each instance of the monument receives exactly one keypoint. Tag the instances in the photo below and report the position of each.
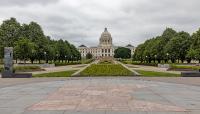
(8, 63)
(8, 66)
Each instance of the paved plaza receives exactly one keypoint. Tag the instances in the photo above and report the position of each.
(119, 95)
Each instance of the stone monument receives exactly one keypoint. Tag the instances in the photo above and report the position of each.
(8, 63)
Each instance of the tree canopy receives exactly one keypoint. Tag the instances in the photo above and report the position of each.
(123, 53)
(30, 43)
(171, 45)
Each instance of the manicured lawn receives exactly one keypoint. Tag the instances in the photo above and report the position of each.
(56, 74)
(156, 74)
(25, 68)
(175, 67)
(106, 70)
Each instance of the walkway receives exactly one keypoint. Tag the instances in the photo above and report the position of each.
(121, 95)
(60, 68)
(151, 68)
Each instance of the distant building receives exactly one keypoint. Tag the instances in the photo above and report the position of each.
(105, 47)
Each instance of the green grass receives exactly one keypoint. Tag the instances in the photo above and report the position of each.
(27, 68)
(56, 74)
(24, 68)
(184, 67)
(156, 74)
(106, 70)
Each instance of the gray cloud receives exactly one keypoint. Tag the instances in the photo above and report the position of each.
(82, 21)
(6, 3)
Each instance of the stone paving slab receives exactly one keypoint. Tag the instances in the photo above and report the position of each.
(100, 96)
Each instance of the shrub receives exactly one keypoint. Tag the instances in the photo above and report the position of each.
(146, 64)
(87, 61)
(65, 63)
(89, 56)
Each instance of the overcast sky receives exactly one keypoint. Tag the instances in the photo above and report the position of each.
(83, 21)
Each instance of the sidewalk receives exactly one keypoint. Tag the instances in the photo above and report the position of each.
(60, 69)
(151, 68)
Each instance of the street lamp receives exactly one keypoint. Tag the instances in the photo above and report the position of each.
(65, 58)
(45, 55)
(167, 56)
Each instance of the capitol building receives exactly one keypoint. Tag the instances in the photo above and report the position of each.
(105, 47)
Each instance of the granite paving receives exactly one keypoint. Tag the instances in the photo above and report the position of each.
(100, 96)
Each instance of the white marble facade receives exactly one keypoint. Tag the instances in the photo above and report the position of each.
(105, 47)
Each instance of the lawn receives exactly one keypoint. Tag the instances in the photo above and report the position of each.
(27, 68)
(106, 70)
(24, 68)
(184, 67)
(156, 74)
(56, 74)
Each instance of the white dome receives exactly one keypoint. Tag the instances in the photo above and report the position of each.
(106, 38)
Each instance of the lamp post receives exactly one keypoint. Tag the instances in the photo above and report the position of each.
(167, 56)
(45, 56)
(57, 56)
(65, 58)
(155, 57)
(147, 59)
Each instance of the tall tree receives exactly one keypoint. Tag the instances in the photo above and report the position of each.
(23, 49)
(195, 46)
(9, 32)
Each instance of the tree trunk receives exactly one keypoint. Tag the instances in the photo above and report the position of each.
(159, 61)
(173, 60)
(32, 60)
(188, 60)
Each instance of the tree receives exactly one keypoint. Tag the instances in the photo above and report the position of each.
(89, 56)
(191, 55)
(168, 34)
(139, 53)
(9, 32)
(23, 49)
(173, 49)
(123, 53)
(43, 48)
(195, 46)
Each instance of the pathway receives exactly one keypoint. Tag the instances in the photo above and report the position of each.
(121, 95)
(151, 68)
(61, 68)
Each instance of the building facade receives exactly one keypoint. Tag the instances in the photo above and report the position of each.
(105, 47)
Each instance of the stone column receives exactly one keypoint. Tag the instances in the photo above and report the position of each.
(8, 62)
